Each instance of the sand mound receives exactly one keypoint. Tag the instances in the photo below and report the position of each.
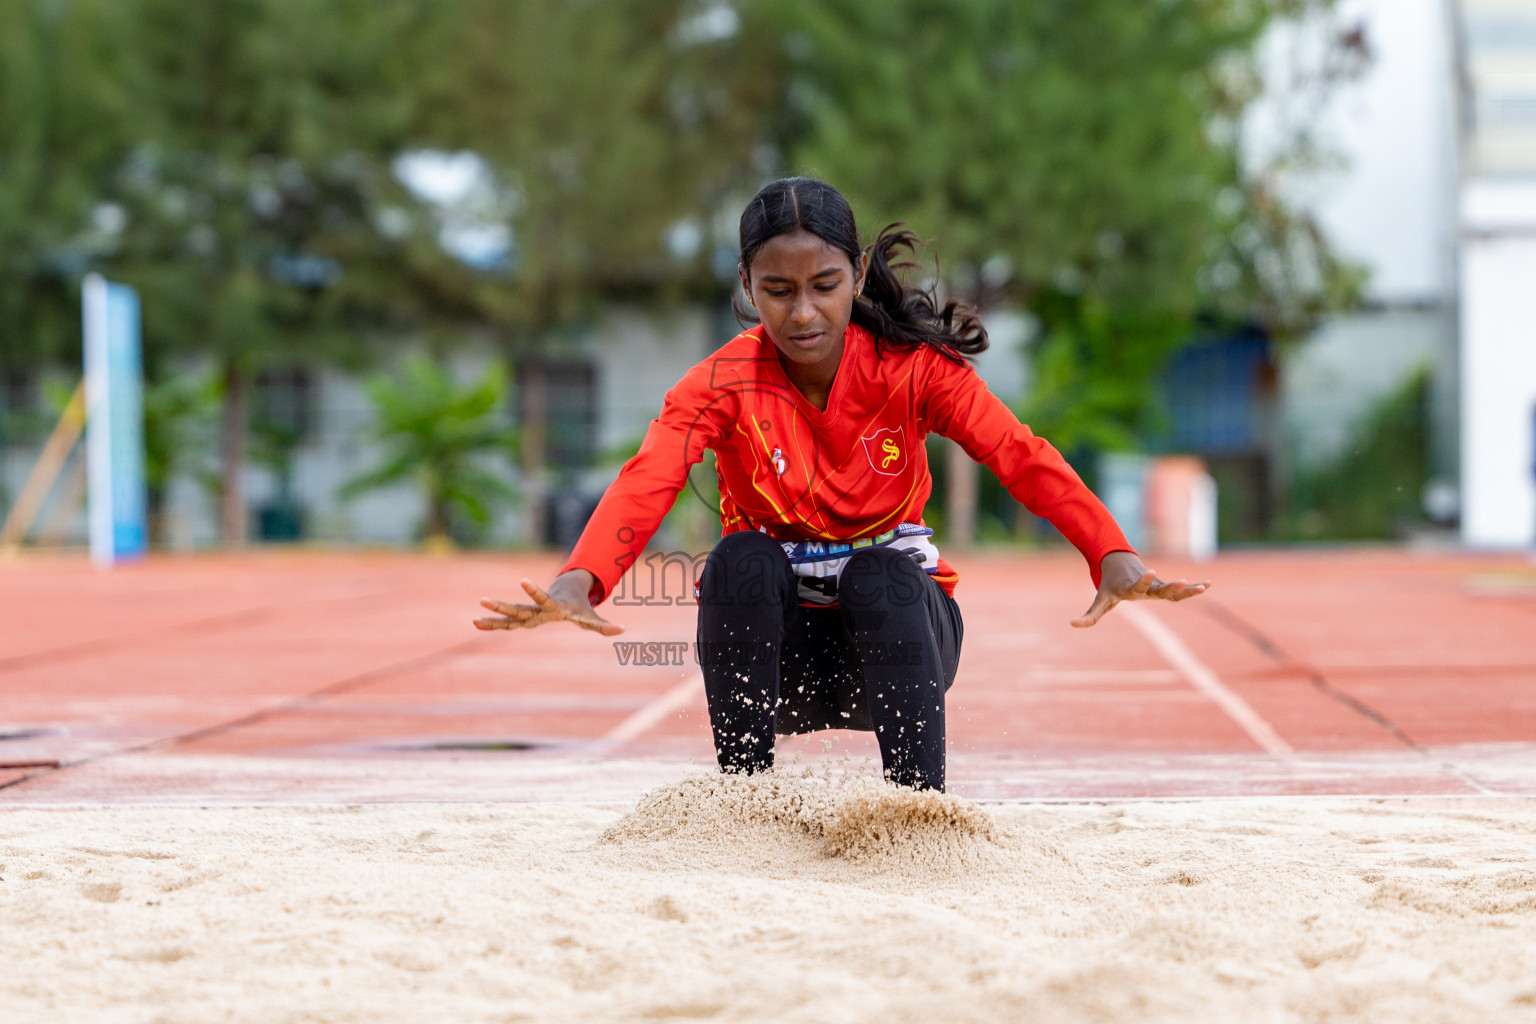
(874, 822)
(858, 820)
(727, 808)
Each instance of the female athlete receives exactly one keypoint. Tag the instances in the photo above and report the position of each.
(825, 603)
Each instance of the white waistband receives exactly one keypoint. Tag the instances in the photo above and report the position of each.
(820, 562)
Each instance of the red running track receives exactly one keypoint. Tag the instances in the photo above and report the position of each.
(321, 678)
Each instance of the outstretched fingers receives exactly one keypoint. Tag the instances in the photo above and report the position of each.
(597, 624)
(544, 609)
(511, 611)
(1102, 603)
(1178, 590)
(1111, 595)
(1147, 587)
(511, 616)
(539, 594)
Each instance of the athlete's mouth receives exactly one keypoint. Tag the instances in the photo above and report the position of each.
(807, 340)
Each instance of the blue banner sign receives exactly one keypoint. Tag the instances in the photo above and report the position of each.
(114, 422)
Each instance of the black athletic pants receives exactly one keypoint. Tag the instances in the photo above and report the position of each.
(880, 660)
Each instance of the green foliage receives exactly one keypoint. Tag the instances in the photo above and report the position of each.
(1372, 491)
(1076, 157)
(234, 161)
(437, 434)
(62, 122)
(254, 195)
(179, 414)
(615, 455)
(232, 158)
(1059, 136)
(239, 177)
(1095, 372)
(607, 123)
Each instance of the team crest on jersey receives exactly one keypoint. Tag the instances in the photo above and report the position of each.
(887, 450)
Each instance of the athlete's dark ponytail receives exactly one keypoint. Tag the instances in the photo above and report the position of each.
(900, 316)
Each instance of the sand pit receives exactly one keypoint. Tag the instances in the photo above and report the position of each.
(776, 899)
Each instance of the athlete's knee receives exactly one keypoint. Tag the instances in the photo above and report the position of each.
(747, 552)
(881, 578)
(745, 567)
(733, 545)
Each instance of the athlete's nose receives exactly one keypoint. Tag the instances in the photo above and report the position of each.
(804, 310)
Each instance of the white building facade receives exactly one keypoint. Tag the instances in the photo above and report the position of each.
(1497, 272)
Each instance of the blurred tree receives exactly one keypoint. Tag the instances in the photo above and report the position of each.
(610, 125)
(256, 209)
(436, 433)
(1078, 157)
(622, 133)
(62, 126)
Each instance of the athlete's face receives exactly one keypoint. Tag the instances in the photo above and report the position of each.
(803, 289)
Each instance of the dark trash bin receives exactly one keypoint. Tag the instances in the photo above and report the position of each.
(280, 521)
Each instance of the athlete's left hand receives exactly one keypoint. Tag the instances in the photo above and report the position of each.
(1123, 577)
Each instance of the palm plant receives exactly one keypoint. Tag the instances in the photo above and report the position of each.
(436, 433)
(180, 413)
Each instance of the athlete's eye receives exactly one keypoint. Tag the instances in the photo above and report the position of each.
(777, 293)
(826, 287)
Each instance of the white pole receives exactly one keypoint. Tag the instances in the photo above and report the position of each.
(98, 421)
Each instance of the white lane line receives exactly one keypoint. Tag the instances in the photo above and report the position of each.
(1057, 678)
(643, 720)
(1177, 654)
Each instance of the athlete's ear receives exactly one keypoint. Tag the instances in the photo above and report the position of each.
(861, 271)
(746, 285)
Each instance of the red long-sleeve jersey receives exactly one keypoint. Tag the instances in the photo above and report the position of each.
(853, 471)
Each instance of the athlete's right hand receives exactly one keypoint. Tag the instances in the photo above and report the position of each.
(566, 600)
